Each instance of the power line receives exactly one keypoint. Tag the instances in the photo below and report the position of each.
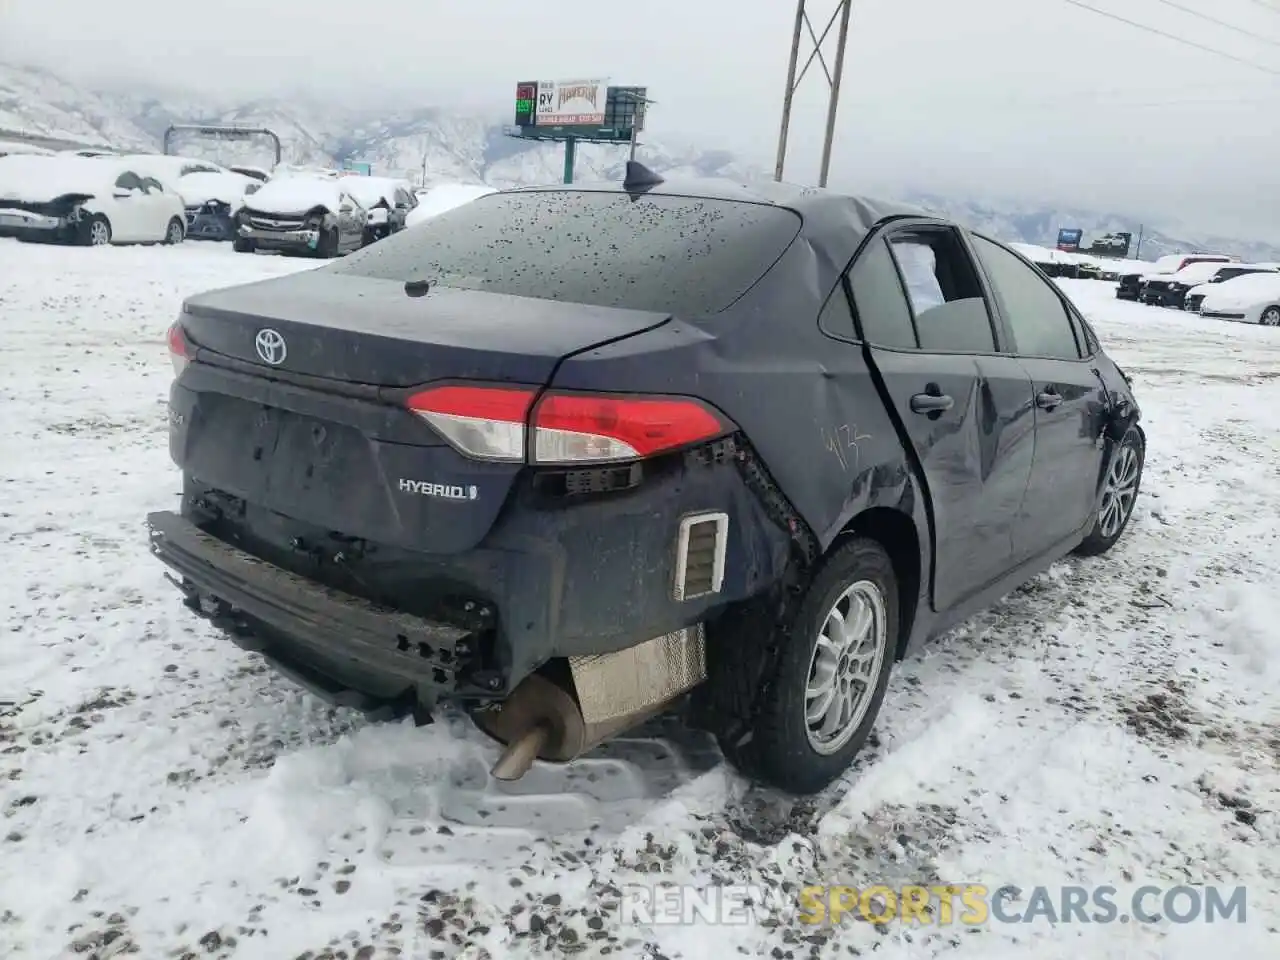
(1222, 23)
(1204, 48)
(1266, 6)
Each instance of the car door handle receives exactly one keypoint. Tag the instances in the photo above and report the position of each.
(931, 403)
(1048, 399)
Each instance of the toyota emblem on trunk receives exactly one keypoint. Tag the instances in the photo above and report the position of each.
(270, 346)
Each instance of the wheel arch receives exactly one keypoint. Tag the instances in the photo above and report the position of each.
(896, 531)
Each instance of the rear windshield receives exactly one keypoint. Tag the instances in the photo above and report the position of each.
(682, 255)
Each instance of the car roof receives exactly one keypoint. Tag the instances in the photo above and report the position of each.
(834, 223)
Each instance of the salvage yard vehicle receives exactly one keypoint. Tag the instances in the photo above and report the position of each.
(89, 201)
(565, 455)
(212, 201)
(301, 214)
(1252, 298)
(1131, 284)
(1171, 290)
(389, 202)
(1193, 297)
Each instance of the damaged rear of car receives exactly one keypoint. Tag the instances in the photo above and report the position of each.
(562, 456)
(301, 215)
(212, 201)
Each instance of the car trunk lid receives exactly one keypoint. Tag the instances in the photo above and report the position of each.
(323, 434)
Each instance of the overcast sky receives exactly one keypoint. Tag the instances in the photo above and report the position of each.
(1033, 99)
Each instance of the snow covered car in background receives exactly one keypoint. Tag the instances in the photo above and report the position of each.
(257, 173)
(1253, 298)
(387, 200)
(1193, 298)
(1170, 290)
(212, 201)
(90, 201)
(554, 484)
(301, 214)
(1130, 287)
(169, 168)
(436, 200)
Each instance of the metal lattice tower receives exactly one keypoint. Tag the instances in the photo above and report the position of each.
(803, 24)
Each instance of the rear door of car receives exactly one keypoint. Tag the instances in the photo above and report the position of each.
(931, 338)
(1050, 341)
(126, 213)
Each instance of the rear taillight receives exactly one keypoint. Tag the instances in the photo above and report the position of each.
(492, 423)
(179, 354)
(483, 422)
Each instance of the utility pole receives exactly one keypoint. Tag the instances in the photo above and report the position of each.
(834, 76)
(1137, 254)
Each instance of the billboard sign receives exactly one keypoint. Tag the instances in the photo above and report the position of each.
(1112, 245)
(526, 98)
(1069, 239)
(571, 103)
(357, 167)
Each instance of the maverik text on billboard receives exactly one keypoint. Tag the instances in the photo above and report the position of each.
(567, 103)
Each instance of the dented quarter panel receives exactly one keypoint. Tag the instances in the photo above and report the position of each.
(809, 407)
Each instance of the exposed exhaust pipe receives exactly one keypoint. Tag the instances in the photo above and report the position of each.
(606, 695)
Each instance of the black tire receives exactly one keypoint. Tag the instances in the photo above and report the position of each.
(95, 231)
(1270, 317)
(1103, 535)
(175, 232)
(327, 248)
(243, 245)
(761, 723)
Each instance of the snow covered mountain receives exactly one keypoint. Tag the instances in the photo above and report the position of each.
(437, 146)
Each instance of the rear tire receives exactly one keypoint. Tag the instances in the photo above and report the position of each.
(778, 730)
(175, 232)
(1270, 316)
(96, 231)
(1119, 494)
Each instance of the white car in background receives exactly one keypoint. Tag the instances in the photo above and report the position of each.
(89, 201)
(1252, 298)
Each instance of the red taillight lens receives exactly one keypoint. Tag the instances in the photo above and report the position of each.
(178, 352)
(490, 423)
(572, 428)
(483, 422)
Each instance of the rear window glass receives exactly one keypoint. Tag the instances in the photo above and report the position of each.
(684, 255)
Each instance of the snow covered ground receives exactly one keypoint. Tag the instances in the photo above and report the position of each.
(163, 794)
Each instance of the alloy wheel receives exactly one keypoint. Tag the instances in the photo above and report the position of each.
(844, 667)
(175, 233)
(99, 233)
(1120, 491)
(1271, 317)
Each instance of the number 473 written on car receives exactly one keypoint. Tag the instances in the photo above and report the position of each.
(842, 441)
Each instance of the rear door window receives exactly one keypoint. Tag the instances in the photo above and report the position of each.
(947, 302)
(689, 256)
